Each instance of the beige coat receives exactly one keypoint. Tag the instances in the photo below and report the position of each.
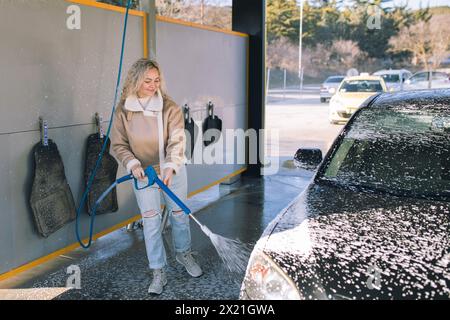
(135, 134)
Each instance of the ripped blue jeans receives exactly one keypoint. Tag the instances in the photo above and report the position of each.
(149, 202)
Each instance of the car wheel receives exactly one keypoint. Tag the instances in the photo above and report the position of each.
(323, 100)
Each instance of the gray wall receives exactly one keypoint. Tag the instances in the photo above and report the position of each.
(66, 76)
(200, 66)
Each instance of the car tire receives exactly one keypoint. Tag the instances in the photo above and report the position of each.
(323, 100)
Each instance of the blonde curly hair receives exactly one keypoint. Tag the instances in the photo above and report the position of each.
(136, 76)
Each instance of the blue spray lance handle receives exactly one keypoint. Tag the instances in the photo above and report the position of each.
(150, 173)
(153, 178)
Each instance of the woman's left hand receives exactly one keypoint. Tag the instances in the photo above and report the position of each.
(168, 175)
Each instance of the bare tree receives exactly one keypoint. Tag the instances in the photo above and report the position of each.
(440, 33)
(171, 8)
(426, 41)
(346, 54)
(216, 13)
(282, 54)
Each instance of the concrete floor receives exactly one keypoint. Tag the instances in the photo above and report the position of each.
(116, 266)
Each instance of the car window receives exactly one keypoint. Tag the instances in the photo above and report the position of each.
(400, 151)
(423, 76)
(361, 86)
(334, 80)
(439, 76)
(391, 77)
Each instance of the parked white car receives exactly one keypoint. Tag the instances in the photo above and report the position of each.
(419, 80)
(394, 79)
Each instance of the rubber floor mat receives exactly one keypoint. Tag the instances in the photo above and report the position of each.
(105, 177)
(51, 198)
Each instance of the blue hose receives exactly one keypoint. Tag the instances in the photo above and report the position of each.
(97, 165)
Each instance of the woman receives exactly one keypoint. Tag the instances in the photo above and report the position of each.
(148, 130)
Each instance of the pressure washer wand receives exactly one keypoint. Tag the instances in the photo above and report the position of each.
(181, 205)
(173, 196)
(153, 178)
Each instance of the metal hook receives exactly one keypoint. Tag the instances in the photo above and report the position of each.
(98, 122)
(211, 109)
(187, 113)
(43, 128)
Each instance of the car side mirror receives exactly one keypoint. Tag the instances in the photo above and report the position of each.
(308, 158)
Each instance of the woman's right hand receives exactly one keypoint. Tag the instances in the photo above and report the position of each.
(138, 172)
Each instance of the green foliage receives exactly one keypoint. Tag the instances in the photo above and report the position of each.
(327, 21)
(283, 19)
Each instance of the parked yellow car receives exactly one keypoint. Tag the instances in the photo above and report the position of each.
(352, 92)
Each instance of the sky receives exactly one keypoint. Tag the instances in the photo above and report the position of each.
(415, 4)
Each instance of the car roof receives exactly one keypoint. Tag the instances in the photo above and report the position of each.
(398, 71)
(434, 71)
(364, 78)
(434, 98)
(331, 77)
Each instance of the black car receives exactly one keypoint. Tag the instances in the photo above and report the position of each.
(375, 221)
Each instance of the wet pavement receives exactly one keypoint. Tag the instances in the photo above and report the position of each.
(116, 266)
(301, 120)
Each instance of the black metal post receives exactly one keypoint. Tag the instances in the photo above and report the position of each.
(249, 17)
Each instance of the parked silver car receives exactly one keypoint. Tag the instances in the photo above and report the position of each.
(420, 80)
(394, 79)
(329, 87)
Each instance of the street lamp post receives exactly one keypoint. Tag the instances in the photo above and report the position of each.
(300, 64)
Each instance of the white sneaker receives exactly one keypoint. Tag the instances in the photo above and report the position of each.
(187, 260)
(158, 282)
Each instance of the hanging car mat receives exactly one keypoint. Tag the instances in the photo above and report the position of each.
(212, 122)
(106, 172)
(51, 198)
(192, 128)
